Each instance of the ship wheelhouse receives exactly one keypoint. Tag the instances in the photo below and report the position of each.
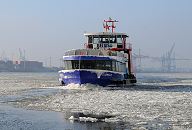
(106, 40)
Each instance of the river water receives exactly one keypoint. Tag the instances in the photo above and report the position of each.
(35, 101)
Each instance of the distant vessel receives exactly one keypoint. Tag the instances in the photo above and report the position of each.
(104, 61)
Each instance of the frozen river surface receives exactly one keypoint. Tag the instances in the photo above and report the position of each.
(36, 101)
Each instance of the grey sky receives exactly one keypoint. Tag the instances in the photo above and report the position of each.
(47, 28)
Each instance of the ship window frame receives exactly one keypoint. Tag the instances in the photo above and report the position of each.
(110, 65)
(119, 39)
(86, 64)
(90, 39)
(89, 64)
(67, 64)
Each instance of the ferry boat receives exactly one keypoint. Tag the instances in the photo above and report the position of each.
(105, 60)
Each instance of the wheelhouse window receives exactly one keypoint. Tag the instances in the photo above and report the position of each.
(90, 39)
(96, 40)
(110, 65)
(104, 41)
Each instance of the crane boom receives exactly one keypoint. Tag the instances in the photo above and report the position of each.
(171, 50)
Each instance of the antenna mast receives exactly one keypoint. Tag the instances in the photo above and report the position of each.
(107, 27)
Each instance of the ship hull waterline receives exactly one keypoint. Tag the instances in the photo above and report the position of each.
(101, 78)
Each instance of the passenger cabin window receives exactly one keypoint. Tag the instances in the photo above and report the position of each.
(110, 65)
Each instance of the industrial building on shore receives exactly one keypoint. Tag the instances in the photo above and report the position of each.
(24, 66)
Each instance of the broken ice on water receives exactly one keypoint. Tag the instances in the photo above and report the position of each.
(150, 104)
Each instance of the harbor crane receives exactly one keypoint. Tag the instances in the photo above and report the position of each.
(168, 61)
(138, 58)
(21, 54)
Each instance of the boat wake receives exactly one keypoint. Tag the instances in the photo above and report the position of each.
(73, 86)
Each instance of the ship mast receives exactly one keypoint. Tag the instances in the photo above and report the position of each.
(111, 24)
(107, 26)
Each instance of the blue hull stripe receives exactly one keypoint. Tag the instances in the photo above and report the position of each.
(84, 76)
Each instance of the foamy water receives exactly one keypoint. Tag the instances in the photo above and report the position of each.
(158, 101)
